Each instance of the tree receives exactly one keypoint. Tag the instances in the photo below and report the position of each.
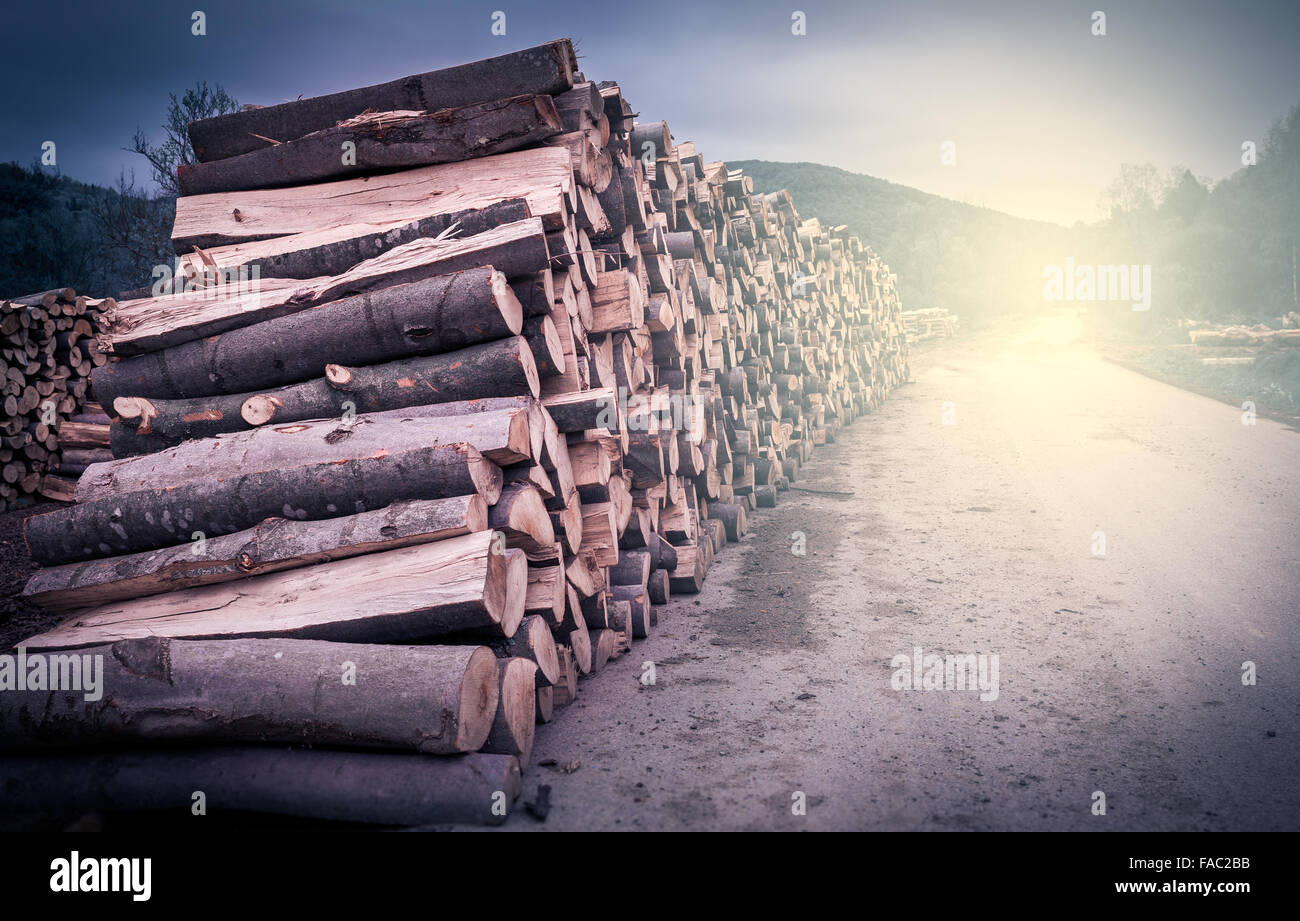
(1137, 188)
(196, 103)
(135, 227)
(1185, 196)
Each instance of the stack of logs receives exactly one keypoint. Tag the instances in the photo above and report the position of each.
(49, 430)
(495, 385)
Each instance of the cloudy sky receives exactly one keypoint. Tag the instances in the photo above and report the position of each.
(1040, 112)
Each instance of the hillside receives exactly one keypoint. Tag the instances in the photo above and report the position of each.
(947, 254)
(1222, 251)
(57, 232)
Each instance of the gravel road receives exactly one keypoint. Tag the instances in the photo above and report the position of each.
(1121, 546)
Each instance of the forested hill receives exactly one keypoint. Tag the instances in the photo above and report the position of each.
(56, 232)
(946, 253)
(1223, 250)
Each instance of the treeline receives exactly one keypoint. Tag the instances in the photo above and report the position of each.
(1225, 251)
(57, 232)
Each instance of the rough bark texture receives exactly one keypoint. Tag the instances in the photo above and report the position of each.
(502, 434)
(501, 368)
(383, 140)
(546, 69)
(270, 546)
(437, 314)
(151, 519)
(439, 700)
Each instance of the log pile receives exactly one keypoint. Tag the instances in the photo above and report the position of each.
(508, 375)
(49, 430)
(933, 323)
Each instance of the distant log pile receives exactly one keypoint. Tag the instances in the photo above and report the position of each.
(49, 430)
(933, 323)
(509, 375)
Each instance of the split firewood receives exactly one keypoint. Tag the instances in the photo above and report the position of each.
(382, 140)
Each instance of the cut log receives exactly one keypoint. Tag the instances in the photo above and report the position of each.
(381, 140)
(430, 699)
(73, 434)
(545, 69)
(379, 788)
(396, 596)
(532, 641)
(298, 279)
(602, 647)
(438, 314)
(579, 639)
(639, 608)
(520, 514)
(658, 587)
(502, 436)
(566, 690)
(667, 554)
(546, 589)
(501, 368)
(597, 408)
(170, 422)
(732, 517)
(151, 519)
(516, 715)
(544, 341)
(617, 302)
(254, 227)
(271, 546)
(633, 568)
(687, 578)
(545, 704)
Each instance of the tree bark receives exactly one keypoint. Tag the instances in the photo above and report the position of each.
(270, 546)
(381, 140)
(657, 587)
(501, 368)
(502, 436)
(437, 314)
(448, 586)
(172, 421)
(545, 69)
(153, 518)
(439, 700)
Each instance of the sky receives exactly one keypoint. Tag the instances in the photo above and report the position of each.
(1031, 111)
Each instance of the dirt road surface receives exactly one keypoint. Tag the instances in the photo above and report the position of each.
(1120, 671)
